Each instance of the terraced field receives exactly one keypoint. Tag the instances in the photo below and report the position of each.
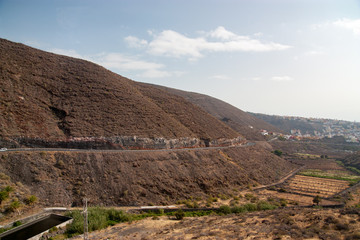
(313, 186)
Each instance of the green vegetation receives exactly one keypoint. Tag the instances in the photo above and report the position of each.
(99, 218)
(5, 229)
(278, 153)
(179, 215)
(30, 200)
(15, 204)
(5, 193)
(15, 224)
(210, 201)
(339, 175)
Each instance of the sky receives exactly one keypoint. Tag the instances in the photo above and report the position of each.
(281, 57)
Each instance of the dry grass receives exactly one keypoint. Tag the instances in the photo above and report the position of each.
(277, 224)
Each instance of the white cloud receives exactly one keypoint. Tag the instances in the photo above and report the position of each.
(121, 63)
(134, 42)
(282, 79)
(351, 24)
(125, 63)
(220, 77)
(313, 53)
(222, 33)
(173, 44)
(67, 52)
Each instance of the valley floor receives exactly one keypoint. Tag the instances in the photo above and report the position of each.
(291, 223)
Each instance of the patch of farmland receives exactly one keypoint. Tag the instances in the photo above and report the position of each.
(312, 186)
(331, 174)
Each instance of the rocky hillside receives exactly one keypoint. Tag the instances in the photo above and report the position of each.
(141, 177)
(49, 100)
(246, 124)
(53, 97)
(352, 160)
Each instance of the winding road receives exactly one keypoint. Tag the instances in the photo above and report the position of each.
(249, 144)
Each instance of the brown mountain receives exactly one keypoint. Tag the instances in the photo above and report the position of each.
(50, 99)
(53, 97)
(246, 124)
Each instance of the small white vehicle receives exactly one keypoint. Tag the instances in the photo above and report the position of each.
(3, 149)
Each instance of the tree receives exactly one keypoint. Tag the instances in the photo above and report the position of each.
(317, 200)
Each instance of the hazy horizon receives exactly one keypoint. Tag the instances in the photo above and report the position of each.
(289, 58)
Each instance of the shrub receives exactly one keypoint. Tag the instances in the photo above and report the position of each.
(118, 216)
(212, 199)
(278, 153)
(16, 224)
(249, 196)
(283, 202)
(13, 206)
(191, 204)
(342, 226)
(238, 209)
(179, 214)
(30, 199)
(3, 176)
(98, 218)
(8, 189)
(263, 205)
(3, 196)
(225, 209)
(223, 196)
(250, 207)
(76, 227)
(316, 200)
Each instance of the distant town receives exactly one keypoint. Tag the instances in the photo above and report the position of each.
(313, 128)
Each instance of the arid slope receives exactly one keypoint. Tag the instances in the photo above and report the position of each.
(48, 96)
(145, 177)
(244, 123)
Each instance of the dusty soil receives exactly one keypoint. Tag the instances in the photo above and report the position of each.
(295, 223)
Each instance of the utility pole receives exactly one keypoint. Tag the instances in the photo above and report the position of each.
(85, 212)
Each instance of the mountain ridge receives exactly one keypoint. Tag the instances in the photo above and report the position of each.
(246, 124)
(54, 97)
